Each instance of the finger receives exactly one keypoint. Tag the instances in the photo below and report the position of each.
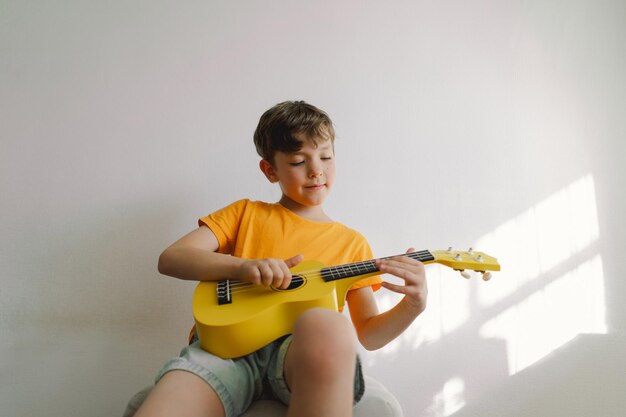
(280, 272)
(406, 263)
(267, 275)
(286, 276)
(294, 260)
(402, 273)
(400, 289)
(401, 268)
(410, 250)
(254, 276)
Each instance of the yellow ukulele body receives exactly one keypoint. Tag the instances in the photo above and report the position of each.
(259, 315)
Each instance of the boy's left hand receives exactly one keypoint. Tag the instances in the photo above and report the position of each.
(412, 272)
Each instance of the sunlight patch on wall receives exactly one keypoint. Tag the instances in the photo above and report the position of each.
(544, 237)
(449, 400)
(550, 289)
(552, 276)
(551, 317)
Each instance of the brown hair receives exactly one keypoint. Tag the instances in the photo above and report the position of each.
(278, 125)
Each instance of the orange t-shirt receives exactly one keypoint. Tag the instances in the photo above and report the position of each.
(256, 230)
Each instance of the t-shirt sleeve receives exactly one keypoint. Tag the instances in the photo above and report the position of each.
(224, 223)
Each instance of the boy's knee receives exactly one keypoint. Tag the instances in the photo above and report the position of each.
(322, 351)
(325, 334)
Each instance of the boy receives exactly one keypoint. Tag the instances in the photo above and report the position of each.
(314, 370)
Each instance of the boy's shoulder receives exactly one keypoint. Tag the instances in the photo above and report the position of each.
(245, 204)
(245, 208)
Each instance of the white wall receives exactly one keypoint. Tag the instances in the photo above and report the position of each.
(497, 125)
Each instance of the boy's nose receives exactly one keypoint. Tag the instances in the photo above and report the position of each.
(316, 172)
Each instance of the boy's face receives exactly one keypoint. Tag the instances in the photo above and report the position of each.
(305, 176)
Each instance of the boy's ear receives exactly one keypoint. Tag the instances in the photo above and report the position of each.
(268, 170)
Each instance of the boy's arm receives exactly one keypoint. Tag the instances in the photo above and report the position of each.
(376, 330)
(195, 257)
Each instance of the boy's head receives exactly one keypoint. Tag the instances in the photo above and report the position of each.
(278, 127)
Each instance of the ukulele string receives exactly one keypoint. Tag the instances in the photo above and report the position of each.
(306, 274)
(345, 271)
(361, 268)
(312, 274)
(240, 286)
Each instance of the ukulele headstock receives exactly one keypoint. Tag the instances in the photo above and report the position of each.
(470, 259)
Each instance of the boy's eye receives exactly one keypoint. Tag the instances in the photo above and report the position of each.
(295, 164)
(326, 158)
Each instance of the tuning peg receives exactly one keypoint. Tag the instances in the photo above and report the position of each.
(486, 276)
(465, 274)
(470, 251)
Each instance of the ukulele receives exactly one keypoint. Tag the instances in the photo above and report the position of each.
(234, 318)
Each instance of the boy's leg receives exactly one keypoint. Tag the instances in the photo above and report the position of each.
(320, 365)
(181, 394)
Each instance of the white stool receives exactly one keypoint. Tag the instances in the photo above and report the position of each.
(377, 401)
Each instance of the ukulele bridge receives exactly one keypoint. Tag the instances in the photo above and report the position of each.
(224, 292)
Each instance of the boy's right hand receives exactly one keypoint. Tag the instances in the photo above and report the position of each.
(269, 271)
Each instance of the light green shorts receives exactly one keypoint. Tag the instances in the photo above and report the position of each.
(240, 381)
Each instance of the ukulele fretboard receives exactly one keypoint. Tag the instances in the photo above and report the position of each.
(332, 273)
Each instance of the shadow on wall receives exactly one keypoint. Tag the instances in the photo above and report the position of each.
(474, 336)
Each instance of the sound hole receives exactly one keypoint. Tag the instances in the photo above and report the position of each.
(297, 281)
